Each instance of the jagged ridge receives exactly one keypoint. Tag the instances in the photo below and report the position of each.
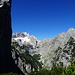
(50, 49)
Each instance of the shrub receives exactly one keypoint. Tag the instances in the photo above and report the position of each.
(57, 70)
(10, 73)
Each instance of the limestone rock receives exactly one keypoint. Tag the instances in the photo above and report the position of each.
(59, 50)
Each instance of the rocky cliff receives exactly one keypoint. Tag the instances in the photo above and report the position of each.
(60, 50)
(22, 43)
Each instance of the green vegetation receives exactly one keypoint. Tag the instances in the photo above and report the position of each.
(10, 74)
(30, 60)
(57, 70)
(26, 57)
(37, 56)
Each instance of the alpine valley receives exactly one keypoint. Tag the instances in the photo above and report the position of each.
(60, 50)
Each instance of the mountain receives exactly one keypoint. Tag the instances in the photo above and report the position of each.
(21, 45)
(25, 39)
(60, 50)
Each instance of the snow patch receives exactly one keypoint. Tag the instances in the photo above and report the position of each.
(26, 39)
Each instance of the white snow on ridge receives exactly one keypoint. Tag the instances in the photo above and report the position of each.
(23, 39)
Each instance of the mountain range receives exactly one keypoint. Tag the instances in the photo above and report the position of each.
(60, 50)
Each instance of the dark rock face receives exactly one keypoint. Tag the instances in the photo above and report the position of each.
(6, 62)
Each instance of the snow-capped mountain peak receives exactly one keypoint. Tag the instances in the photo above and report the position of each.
(20, 34)
(25, 38)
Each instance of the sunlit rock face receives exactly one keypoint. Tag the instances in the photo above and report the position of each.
(59, 50)
(24, 38)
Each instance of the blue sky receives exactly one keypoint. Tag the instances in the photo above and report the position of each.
(43, 18)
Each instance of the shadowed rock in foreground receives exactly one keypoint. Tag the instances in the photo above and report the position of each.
(6, 62)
